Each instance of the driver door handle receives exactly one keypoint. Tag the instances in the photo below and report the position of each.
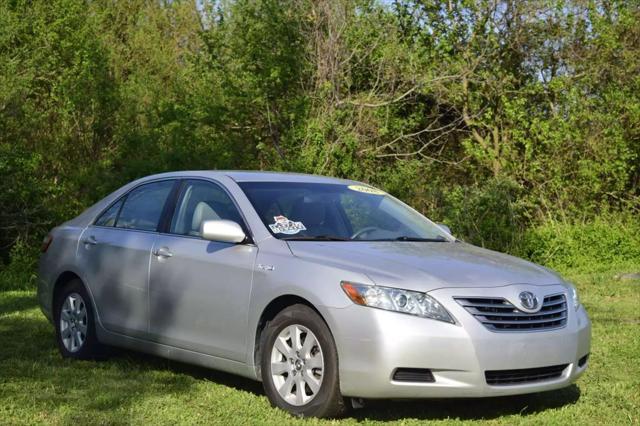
(91, 241)
(162, 252)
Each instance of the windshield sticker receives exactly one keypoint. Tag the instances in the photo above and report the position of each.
(286, 226)
(366, 189)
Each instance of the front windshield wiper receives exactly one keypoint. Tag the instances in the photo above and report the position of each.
(438, 239)
(315, 238)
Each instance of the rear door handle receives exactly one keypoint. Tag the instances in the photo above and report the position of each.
(91, 241)
(162, 252)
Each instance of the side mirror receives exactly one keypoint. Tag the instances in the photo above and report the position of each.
(226, 231)
(445, 228)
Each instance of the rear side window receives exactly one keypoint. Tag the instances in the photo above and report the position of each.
(108, 218)
(143, 206)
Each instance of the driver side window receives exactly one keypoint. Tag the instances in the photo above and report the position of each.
(200, 201)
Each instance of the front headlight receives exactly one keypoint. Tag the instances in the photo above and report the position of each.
(574, 296)
(398, 300)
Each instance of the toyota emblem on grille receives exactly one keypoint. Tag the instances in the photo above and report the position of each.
(529, 300)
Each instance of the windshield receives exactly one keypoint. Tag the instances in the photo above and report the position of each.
(336, 212)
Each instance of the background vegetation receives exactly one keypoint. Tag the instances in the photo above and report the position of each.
(515, 122)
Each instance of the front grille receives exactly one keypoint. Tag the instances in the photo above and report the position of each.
(498, 314)
(526, 375)
(413, 375)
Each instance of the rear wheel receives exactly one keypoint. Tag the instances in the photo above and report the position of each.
(75, 324)
(299, 364)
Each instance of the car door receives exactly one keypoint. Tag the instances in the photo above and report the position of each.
(199, 290)
(116, 251)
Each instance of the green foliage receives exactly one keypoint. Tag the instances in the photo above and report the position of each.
(596, 245)
(491, 215)
(20, 272)
(494, 117)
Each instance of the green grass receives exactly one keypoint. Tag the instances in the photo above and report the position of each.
(38, 386)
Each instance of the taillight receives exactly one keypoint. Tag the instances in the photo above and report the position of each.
(46, 243)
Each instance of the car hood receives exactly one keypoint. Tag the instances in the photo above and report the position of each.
(425, 266)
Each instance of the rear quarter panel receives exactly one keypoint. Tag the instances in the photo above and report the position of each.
(59, 258)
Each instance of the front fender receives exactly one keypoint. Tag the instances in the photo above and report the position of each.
(283, 274)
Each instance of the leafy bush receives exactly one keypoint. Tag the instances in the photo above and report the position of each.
(488, 215)
(599, 244)
(492, 119)
(20, 273)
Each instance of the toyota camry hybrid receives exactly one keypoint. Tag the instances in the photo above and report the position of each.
(326, 290)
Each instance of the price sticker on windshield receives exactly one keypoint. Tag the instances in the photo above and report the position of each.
(366, 189)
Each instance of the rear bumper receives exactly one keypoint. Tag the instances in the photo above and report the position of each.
(44, 292)
(373, 343)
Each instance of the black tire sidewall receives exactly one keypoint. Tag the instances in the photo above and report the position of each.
(328, 402)
(90, 348)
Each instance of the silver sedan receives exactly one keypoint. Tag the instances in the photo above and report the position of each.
(326, 290)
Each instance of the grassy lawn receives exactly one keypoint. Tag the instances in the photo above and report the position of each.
(38, 386)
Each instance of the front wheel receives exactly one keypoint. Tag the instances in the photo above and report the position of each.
(299, 364)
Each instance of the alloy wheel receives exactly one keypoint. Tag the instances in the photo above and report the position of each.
(73, 322)
(297, 365)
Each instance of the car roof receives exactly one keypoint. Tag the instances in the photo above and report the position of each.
(89, 214)
(255, 176)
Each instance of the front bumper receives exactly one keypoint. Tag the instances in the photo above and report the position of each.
(373, 343)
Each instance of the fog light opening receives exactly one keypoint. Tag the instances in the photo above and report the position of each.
(583, 361)
(416, 375)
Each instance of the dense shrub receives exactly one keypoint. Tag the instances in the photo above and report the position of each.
(20, 273)
(494, 117)
(490, 215)
(611, 240)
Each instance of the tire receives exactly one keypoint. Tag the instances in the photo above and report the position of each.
(308, 377)
(74, 322)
